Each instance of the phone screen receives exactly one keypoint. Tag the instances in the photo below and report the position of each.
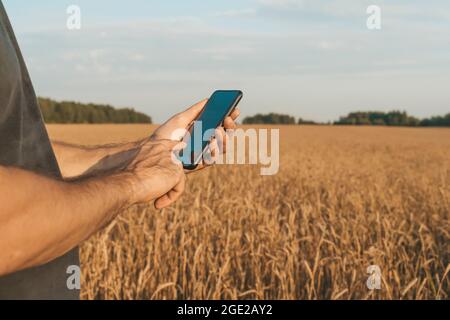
(220, 105)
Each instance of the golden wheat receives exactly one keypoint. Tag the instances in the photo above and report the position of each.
(345, 198)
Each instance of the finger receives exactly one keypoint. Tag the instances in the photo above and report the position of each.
(220, 139)
(208, 157)
(175, 157)
(229, 123)
(236, 112)
(189, 115)
(213, 151)
(171, 196)
(179, 146)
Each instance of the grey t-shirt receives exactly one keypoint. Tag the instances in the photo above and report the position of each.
(24, 143)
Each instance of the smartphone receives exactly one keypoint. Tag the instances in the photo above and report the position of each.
(219, 106)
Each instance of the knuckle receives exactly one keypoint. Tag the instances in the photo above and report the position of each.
(160, 148)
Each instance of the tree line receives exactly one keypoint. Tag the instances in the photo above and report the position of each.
(74, 112)
(391, 118)
(270, 118)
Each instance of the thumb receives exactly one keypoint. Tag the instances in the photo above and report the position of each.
(192, 113)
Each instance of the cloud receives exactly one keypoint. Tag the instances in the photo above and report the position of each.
(225, 52)
(283, 4)
(398, 11)
(248, 12)
(329, 8)
(137, 57)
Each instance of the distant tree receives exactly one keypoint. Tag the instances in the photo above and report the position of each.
(438, 121)
(302, 121)
(378, 122)
(392, 118)
(73, 112)
(271, 118)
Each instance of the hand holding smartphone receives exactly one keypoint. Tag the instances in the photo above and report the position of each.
(219, 106)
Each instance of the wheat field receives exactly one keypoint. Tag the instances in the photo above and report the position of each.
(345, 198)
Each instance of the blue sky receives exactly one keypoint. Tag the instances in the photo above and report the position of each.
(310, 58)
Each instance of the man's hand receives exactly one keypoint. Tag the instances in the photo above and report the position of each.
(82, 161)
(183, 120)
(156, 174)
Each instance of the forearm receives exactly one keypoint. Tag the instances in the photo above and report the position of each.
(41, 218)
(76, 160)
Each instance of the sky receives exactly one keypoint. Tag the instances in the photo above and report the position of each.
(314, 59)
